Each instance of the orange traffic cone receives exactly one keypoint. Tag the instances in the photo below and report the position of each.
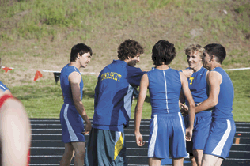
(6, 69)
(38, 75)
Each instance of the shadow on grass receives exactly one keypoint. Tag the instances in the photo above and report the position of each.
(88, 94)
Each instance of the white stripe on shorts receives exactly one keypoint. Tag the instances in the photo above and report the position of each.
(218, 149)
(182, 127)
(153, 138)
(72, 134)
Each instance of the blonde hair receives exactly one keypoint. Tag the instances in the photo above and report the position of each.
(193, 48)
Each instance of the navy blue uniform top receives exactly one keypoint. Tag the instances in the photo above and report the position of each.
(198, 87)
(224, 108)
(164, 88)
(65, 85)
(3, 87)
(113, 95)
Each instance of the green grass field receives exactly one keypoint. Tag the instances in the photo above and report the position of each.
(38, 35)
(44, 99)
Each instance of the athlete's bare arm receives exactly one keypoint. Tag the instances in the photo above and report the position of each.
(75, 79)
(191, 110)
(214, 79)
(138, 109)
(15, 133)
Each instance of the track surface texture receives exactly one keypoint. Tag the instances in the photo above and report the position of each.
(47, 147)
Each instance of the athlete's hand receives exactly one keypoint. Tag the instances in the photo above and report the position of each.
(139, 140)
(88, 127)
(189, 131)
(183, 109)
(187, 72)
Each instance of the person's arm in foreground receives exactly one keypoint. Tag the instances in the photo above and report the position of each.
(75, 79)
(15, 133)
(191, 110)
(138, 109)
(214, 80)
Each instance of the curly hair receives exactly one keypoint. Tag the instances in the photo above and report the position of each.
(193, 48)
(80, 49)
(129, 48)
(163, 52)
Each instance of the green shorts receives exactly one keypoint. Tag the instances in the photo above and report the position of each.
(106, 147)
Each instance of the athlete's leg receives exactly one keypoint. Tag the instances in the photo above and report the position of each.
(219, 162)
(178, 161)
(198, 154)
(154, 161)
(193, 162)
(79, 148)
(68, 155)
(209, 160)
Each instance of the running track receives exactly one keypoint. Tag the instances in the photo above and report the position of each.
(47, 147)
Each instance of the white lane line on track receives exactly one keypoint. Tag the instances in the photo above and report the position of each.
(73, 164)
(46, 140)
(47, 134)
(47, 147)
(64, 148)
(131, 121)
(42, 124)
(237, 151)
(51, 156)
(242, 132)
(239, 132)
(240, 151)
(61, 141)
(126, 141)
(46, 129)
(32, 124)
(61, 129)
(87, 134)
(243, 123)
(242, 127)
(237, 159)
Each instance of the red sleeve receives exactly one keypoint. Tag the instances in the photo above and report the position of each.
(4, 98)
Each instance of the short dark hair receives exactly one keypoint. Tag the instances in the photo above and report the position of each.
(217, 50)
(80, 49)
(129, 48)
(163, 51)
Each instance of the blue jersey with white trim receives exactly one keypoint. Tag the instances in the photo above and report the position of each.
(224, 108)
(198, 87)
(164, 88)
(113, 95)
(3, 87)
(65, 85)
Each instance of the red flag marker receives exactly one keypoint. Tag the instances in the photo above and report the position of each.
(38, 75)
(6, 69)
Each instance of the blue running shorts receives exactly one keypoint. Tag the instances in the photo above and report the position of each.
(72, 124)
(220, 138)
(200, 132)
(167, 136)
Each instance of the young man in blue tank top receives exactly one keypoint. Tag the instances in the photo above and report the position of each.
(113, 99)
(197, 85)
(220, 99)
(167, 130)
(73, 112)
